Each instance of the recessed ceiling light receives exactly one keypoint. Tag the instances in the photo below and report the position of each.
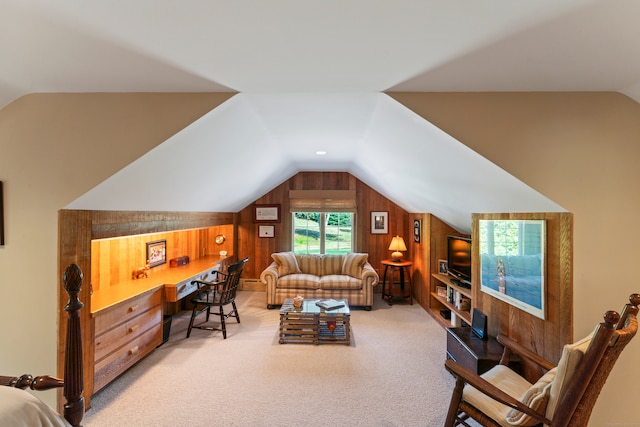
(321, 153)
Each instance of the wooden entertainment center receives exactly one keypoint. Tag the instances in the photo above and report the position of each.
(544, 336)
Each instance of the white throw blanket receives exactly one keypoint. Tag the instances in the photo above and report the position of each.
(19, 408)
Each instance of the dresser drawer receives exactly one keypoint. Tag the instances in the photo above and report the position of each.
(124, 357)
(126, 310)
(114, 338)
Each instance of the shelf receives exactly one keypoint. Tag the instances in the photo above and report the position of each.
(465, 315)
(445, 280)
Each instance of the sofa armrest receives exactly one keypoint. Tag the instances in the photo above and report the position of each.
(269, 275)
(369, 276)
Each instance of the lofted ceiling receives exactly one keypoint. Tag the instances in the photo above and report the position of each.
(311, 76)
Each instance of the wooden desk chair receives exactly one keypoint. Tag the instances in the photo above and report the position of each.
(219, 293)
(563, 396)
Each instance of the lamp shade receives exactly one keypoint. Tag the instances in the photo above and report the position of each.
(397, 246)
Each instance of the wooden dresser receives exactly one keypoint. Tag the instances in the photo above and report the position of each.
(125, 333)
(128, 317)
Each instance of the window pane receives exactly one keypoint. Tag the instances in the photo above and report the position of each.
(338, 232)
(306, 232)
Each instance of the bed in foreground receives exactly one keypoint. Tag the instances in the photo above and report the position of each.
(19, 407)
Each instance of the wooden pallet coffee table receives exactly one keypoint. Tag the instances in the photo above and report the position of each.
(311, 324)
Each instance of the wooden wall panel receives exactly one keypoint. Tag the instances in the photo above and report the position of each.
(432, 247)
(377, 245)
(421, 257)
(544, 337)
(114, 259)
(367, 199)
(108, 224)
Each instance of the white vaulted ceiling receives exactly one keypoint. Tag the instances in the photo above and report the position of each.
(311, 76)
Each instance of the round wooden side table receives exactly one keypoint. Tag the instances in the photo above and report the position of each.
(390, 266)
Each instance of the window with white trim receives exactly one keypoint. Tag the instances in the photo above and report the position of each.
(323, 232)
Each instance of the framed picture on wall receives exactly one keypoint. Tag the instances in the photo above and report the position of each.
(266, 231)
(416, 230)
(266, 213)
(379, 222)
(157, 253)
(512, 262)
(443, 266)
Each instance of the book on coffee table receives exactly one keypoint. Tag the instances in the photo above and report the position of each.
(329, 304)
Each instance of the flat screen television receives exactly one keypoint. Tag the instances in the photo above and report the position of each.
(459, 258)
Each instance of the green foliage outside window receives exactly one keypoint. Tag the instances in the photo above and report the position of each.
(322, 232)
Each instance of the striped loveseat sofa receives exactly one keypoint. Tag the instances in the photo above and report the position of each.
(348, 276)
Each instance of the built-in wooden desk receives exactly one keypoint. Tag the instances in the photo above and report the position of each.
(173, 279)
(128, 316)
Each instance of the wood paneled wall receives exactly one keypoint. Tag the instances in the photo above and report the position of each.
(545, 337)
(426, 253)
(113, 260)
(367, 199)
(76, 230)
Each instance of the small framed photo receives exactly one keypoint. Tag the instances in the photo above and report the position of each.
(266, 213)
(266, 231)
(157, 253)
(443, 266)
(379, 222)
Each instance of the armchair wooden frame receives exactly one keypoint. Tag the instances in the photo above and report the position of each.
(575, 405)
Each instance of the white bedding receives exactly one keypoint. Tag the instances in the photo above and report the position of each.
(19, 408)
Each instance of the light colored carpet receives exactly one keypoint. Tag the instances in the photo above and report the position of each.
(392, 374)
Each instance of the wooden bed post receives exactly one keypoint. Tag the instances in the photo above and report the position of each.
(73, 372)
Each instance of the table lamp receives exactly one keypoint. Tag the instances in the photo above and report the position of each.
(397, 246)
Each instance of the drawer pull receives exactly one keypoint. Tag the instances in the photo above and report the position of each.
(134, 350)
(133, 308)
(133, 328)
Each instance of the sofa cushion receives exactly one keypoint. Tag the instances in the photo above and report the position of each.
(339, 281)
(286, 262)
(310, 264)
(331, 264)
(353, 263)
(299, 281)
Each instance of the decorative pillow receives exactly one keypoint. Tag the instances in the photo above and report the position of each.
(310, 264)
(535, 398)
(287, 263)
(353, 263)
(332, 264)
(571, 357)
